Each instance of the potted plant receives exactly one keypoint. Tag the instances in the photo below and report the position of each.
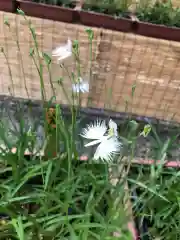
(160, 20)
(110, 14)
(47, 202)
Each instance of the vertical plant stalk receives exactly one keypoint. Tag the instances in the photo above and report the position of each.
(43, 95)
(56, 128)
(120, 179)
(48, 61)
(128, 204)
(75, 80)
(72, 82)
(51, 147)
(6, 22)
(133, 89)
(9, 70)
(36, 45)
(65, 92)
(21, 60)
(50, 80)
(40, 67)
(90, 38)
(65, 133)
(71, 104)
(78, 64)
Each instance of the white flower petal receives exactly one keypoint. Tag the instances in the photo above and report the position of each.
(93, 143)
(113, 125)
(107, 149)
(60, 51)
(80, 87)
(85, 87)
(63, 51)
(75, 88)
(64, 56)
(63, 48)
(95, 131)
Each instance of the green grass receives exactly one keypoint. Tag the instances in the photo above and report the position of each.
(162, 216)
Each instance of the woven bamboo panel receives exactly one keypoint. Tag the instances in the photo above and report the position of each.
(176, 3)
(121, 62)
(49, 36)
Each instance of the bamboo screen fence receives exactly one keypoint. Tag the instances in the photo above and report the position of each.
(121, 63)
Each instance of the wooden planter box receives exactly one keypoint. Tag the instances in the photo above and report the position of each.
(158, 31)
(47, 11)
(7, 5)
(73, 15)
(105, 21)
(89, 18)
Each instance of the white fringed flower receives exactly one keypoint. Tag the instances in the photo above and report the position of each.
(64, 51)
(80, 86)
(107, 138)
(112, 128)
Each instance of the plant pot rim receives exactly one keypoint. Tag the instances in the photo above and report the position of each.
(46, 11)
(158, 25)
(83, 11)
(101, 20)
(158, 31)
(30, 2)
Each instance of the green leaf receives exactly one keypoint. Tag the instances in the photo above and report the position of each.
(142, 185)
(18, 225)
(31, 52)
(48, 175)
(20, 11)
(47, 58)
(146, 130)
(90, 34)
(6, 21)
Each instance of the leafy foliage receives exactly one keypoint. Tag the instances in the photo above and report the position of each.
(64, 3)
(160, 13)
(162, 216)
